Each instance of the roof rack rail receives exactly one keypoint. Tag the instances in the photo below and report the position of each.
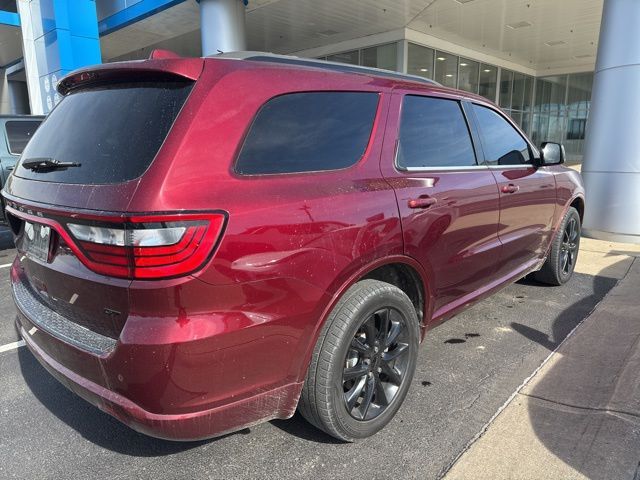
(323, 64)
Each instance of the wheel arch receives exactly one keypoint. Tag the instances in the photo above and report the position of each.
(578, 204)
(398, 268)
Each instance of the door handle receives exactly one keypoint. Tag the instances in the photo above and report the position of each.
(511, 188)
(422, 202)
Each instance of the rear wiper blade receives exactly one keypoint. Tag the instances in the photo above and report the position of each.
(43, 164)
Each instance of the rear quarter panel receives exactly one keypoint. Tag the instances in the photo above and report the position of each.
(292, 241)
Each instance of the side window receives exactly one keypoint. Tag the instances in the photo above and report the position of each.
(502, 144)
(433, 133)
(19, 133)
(305, 132)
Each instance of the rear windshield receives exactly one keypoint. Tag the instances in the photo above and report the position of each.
(19, 132)
(113, 132)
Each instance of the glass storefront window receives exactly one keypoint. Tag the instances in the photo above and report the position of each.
(468, 75)
(488, 81)
(517, 97)
(506, 83)
(578, 104)
(550, 121)
(446, 69)
(521, 93)
(555, 110)
(352, 58)
(383, 56)
(420, 61)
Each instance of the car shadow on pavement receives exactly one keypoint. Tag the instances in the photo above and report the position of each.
(595, 440)
(90, 422)
(297, 426)
(569, 318)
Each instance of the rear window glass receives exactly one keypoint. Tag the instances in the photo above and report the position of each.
(19, 133)
(114, 132)
(304, 132)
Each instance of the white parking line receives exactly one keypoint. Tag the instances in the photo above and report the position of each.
(12, 346)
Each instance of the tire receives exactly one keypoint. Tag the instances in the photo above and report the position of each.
(365, 355)
(558, 268)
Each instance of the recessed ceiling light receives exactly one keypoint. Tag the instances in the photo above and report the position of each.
(555, 43)
(516, 25)
(449, 75)
(486, 70)
(424, 69)
(464, 64)
(442, 59)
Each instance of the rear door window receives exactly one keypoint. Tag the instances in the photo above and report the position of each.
(19, 132)
(433, 134)
(306, 132)
(114, 132)
(502, 144)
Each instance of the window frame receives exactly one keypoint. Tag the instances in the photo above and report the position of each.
(245, 136)
(469, 124)
(533, 151)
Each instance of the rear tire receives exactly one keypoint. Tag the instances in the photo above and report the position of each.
(559, 266)
(363, 362)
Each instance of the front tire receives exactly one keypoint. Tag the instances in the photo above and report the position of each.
(559, 266)
(363, 362)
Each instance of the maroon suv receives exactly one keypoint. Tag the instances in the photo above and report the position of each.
(205, 244)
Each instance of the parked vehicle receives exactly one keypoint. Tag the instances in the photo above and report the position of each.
(263, 234)
(17, 130)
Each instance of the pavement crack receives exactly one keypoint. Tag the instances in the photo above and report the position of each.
(583, 407)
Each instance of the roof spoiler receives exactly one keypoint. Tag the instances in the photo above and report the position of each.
(163, 65)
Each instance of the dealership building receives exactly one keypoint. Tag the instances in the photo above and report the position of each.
(535, 58)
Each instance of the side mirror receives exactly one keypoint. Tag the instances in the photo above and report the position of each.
(551, 153)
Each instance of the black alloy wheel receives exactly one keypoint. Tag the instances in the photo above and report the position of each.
(563, 254)
(363, 361)
(376, 364)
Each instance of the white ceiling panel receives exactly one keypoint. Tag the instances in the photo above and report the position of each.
(537, 34)
(548, 33)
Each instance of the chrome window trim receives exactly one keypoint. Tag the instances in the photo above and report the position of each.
(464, 169)
(511, 167)
(438, 169)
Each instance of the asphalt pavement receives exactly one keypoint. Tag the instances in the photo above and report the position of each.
(468, 368)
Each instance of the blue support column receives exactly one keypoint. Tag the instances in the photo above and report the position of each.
(59, 36)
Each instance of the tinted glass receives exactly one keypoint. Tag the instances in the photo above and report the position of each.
(113, 132)
(468, 75)
(502, 144)
(420, 61)
(433, 133)
(351, 58)
(488, 81)
(446, 69)
(384, 56)
(506, 84)
(304, 132)
(19, 134)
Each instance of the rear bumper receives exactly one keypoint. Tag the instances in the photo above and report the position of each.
(278, 403)
(174, 378)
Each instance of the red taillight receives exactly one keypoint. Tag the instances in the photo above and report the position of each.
(145, 248)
